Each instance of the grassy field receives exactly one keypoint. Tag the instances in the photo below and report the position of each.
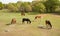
(32, 29)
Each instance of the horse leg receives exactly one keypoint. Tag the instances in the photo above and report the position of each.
(23, 22)
(30, 22)
(27, 22)
(50, 26)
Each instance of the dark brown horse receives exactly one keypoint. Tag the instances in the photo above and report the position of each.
(48, 23)
(27, 20)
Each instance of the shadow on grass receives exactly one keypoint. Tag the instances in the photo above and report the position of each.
(33, 13)
(56, 13)
(14, 24)
(43, 27)
(8, 24)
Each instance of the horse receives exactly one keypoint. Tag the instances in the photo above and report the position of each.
(13, 21)
(36, 17)
(26, 19)
(48, 23)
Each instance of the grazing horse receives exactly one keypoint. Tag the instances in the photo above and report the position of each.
(26, 19)
(37, 17)
(48, 23)
(23, 14)
(13, 21)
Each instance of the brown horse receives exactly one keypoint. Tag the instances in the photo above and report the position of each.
(48, 24)
(36, 17)
(13, 21)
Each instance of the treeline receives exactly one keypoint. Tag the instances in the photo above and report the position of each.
(35, 6)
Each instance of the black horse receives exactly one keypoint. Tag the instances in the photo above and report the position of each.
(48, 23)
(26, 19)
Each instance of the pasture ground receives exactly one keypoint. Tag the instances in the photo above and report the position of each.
(32, 29)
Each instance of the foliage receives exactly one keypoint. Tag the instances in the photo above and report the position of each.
(1, 5)
(51, 5)
(38, 7)
(35, 6)
(12, 7)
